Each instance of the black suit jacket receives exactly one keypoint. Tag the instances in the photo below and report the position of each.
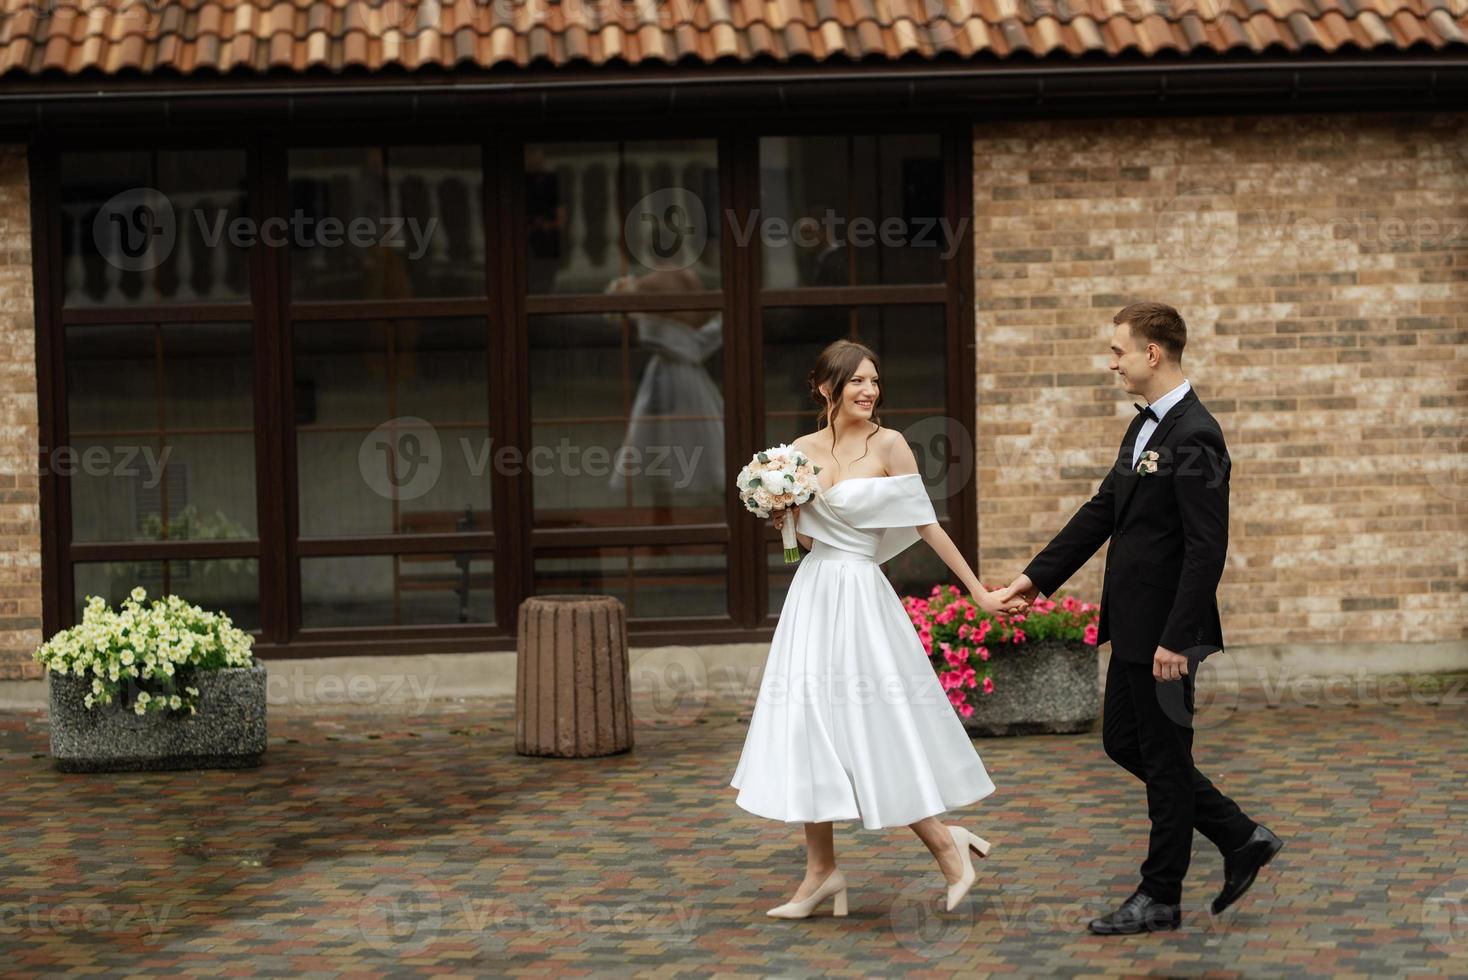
(1169, 538)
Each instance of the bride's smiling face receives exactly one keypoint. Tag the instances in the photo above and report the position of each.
(858, 397)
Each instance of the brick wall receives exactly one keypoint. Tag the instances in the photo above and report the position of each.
(20, 512)
(1321, 263)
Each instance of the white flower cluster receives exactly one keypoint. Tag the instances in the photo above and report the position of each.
(781, 476)
(146, 648)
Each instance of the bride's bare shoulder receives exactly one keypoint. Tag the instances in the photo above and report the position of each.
(804, 442)
(887, 438)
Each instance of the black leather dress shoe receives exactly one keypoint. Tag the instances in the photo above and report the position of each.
(1140, 913)
(1241, 866)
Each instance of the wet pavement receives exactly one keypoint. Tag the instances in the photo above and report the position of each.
(394, 840)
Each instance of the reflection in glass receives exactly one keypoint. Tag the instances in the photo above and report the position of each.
(853, 210)
(227, 585)
(598, 211)
(392, 426)
(161, 422)
(678, 410)
(654, 582)
(397, 590)
(153, 227)
(627, 418)
(387, 222)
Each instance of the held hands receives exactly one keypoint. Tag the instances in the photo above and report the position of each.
(1014, 599)
(1023, 588)
(1000, 601)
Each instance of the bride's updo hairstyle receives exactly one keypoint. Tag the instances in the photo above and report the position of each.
(834, 368)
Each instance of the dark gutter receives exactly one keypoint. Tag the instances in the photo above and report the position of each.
(1108, 87)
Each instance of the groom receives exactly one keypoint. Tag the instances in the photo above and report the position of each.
(1164, 507)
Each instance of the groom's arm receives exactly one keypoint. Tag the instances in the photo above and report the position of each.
(1200, 485)
(1077, 541)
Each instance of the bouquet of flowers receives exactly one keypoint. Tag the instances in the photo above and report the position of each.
(779, 477)
(958, 635)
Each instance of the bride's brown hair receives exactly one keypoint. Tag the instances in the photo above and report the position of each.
(834, 367)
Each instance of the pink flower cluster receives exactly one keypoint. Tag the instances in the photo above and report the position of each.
(957, 635)
(1074, 606)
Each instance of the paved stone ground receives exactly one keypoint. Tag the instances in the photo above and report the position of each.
(388, 840)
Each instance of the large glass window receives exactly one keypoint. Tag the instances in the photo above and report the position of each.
(392, 413)
(369, 432)
(626, 392)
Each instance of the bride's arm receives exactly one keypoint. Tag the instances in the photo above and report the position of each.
(944, 548)
(900, 460)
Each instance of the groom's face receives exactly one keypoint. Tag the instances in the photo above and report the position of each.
(1130, 362)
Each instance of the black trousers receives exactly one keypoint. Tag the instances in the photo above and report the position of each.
(1140, 736)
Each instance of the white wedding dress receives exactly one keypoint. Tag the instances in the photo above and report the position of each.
(851, 721)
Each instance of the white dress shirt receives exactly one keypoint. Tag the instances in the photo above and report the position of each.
(1160, 406)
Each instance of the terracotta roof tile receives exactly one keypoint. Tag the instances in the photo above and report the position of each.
(255, 36)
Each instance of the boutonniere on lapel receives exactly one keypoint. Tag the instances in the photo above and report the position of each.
(1147, 463)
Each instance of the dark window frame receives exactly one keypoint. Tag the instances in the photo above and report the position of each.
(505, 308)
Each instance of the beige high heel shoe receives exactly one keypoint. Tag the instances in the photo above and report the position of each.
(835, 884)
(963, 840)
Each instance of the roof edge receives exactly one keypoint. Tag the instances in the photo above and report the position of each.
(1007, 89)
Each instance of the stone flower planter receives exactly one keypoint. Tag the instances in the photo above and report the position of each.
(1040, 687)
(227, 733)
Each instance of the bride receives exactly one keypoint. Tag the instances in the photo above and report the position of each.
(851, 721)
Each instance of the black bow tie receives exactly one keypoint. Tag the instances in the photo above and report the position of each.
(1145, 410)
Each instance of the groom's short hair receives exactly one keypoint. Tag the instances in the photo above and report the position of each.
(1156, 323)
